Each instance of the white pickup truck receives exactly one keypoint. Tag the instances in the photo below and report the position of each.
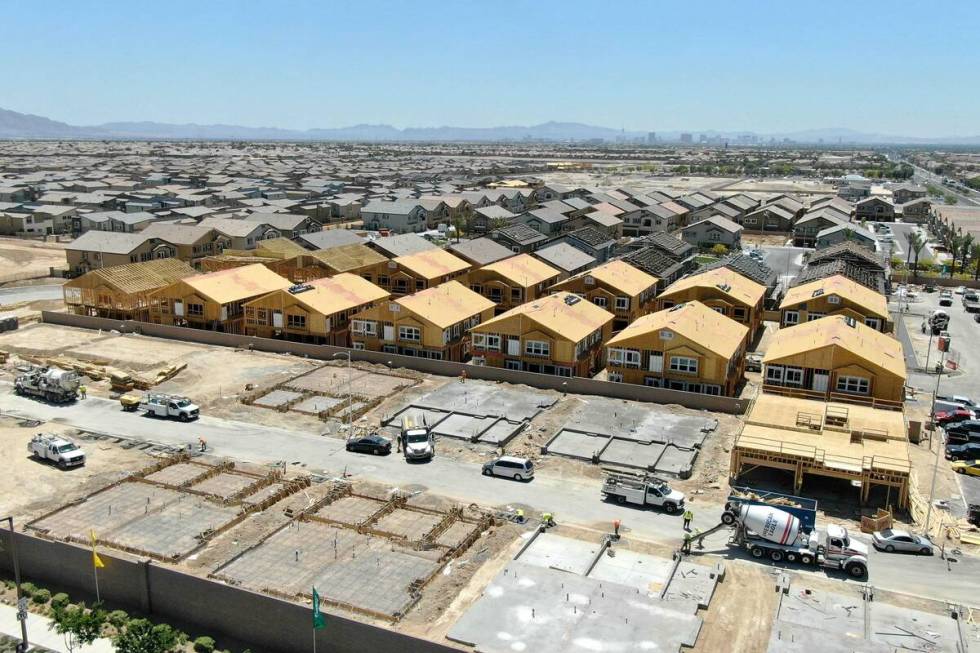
(172, 406)
(64, 453)
(642, 491)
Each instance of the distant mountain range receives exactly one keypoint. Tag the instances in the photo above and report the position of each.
(23, 126)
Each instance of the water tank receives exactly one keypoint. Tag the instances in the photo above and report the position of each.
(770, 523)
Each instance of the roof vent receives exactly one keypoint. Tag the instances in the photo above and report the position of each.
(817, 292)
(724, 287)
(676, 307)
(850, 321)
(300, 287)
(572, 299)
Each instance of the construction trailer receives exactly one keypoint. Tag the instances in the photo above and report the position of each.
(865, 446)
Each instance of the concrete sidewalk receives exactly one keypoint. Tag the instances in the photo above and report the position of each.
(41, 632)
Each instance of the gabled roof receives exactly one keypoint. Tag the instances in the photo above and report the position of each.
(620, 276)
(746, 266)
(868, 276)
(339, 293)
(137, 277)
(446, 304)
(523, 270)
(592, 237)
(726, 281)
(841, 286)
(565, 257)
(237, 284)
(495, 212)
(549, 216)
(480, 251)
(852, 228)
(521, 233)
(398, 207)
(278, 248)
(178, 234)
(851, 251)
(330, 238)
(288, 221)
(432, 263)
(402, 244)
(654, 262)
(878, 349)
(567, 315)
(348, 257)
(108, 242)
(715, 332)
(719, 221)
(669, 245)
(233, 227)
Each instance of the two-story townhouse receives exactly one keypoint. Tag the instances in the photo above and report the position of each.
(401, 216)
(722, 290)
(214, 301)
(814, 221)
(874, 209)
(433, 323)
(121, 291)
(559, 334)
(836, 359)
(513, 281)
(405, 275)
(318, 311)
(714, 230)
(833, 296)
(620, 288)
(687, 347)
(193, 242)
(101, 249)
(241, 234)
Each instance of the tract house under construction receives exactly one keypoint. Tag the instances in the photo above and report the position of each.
(122, 291)
(865, 446)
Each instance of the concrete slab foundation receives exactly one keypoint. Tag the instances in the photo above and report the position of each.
(316, 404)
(370, 573)
(226, 484)
(179, 474)
(529, 608)
(277, 398)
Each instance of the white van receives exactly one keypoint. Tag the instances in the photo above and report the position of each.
(519, 469)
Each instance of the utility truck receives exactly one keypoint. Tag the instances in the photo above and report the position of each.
(642, 490)
(169, 406)
(64, 453)
(769, 532)
(51, 383)
(418, 442)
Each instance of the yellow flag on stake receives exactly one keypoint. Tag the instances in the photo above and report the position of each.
(96, 560)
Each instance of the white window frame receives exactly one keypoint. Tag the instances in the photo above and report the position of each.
(666, 334)
(403, 330)
(793, 376)
(873, 322)
(364, 327)
(614, 377)
(684, 364)
(833, 299)
(622, 303)
(774, 374)
(537, 348)
(600, 301)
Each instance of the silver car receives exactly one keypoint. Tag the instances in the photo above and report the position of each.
(891, 540)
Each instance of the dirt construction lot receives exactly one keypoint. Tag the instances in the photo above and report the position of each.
(24, 259)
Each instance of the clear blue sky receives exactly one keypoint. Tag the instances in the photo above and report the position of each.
(895, 67)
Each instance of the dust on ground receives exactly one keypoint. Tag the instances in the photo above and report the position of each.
(742, 610)
(31, 487)
(764, 240)
(24, 259)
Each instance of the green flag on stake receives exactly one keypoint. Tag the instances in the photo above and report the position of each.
(318, 619)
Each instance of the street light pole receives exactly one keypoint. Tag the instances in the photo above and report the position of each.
(21, 609)
(935, 465)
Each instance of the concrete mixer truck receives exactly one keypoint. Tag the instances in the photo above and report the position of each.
(51, 383)
(769, 532)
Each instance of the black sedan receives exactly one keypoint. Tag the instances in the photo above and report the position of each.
(374, 443)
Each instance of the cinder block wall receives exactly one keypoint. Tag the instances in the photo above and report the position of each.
(214, 608)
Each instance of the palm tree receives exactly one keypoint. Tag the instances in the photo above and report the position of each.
(916, 245)
(914, 240)
(955, 243)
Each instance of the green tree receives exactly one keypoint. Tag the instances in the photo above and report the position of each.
(141, 636)
(79, 625)
(975, 258)
(719, 250)
(949, 198)
(965, 248)
(916, 244)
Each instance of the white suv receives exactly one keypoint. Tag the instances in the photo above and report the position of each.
(519, 469)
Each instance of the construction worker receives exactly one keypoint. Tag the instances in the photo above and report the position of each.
(616, 528)
(688, 516)
(83, 391)
(547, 519)
(519, 517)
(202, 444)
(686, 546)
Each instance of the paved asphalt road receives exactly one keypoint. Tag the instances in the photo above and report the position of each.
(571, 500)
(29, 294)
(923, 177)
(785, 261)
